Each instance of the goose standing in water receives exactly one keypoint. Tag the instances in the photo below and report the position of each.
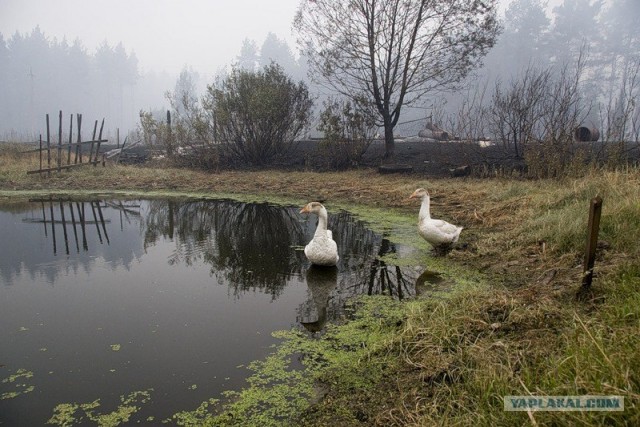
(437, 232)
(322, 249)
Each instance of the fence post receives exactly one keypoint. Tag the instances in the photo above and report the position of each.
(95, 163)
(40, 154)
(169, 144)
(93, 140)
(79, 146)
(48, 148)
(59, 140)
(70, 139)
(592, 240)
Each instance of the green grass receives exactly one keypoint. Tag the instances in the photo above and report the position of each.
(455, 358)
(516, 328)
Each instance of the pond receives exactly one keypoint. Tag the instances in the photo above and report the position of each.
(102, 298)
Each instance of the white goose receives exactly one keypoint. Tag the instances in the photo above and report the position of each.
(322, 249)
(435, 231)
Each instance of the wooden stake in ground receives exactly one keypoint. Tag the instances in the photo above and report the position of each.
(48, 148)
(592, 240)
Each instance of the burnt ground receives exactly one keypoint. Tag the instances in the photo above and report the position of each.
(416, 155)
(433, 158)
(426, 157)
(423, 156)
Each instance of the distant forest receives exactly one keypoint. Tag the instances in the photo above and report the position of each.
(40, 75)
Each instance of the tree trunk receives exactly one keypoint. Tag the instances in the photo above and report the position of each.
(389, 142)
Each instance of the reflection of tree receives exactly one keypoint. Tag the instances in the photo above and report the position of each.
(356, 242)
(251, 241)
(361, 269)
(251, 245)
(246, 246)
(361, 253)
(389, 279)
(243, 242)
(312, 314)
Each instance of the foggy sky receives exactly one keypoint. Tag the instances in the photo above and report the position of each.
(165, 35)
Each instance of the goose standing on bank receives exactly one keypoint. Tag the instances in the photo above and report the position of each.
(437, 232)
(322, 249)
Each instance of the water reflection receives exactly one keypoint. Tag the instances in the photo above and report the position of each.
(53, 237)
(245, 244)
(430, 282)
(187, 289)
(53, 212)
(248, 246)
(258, 245)
(312, 314)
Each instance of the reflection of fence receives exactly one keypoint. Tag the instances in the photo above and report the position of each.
(75, 217)
(56, 153)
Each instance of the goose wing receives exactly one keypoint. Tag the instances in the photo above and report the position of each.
(445, 227)
(437, 231)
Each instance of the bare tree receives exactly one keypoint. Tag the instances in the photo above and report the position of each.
(348, 131)
(192, 121)
(620, 117)
(622, 110)
(469, 122)
(516, 110)
(563, 110)
(394, 52)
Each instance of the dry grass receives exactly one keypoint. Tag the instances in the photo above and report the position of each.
(523, 333)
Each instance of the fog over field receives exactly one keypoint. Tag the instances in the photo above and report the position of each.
(112, 59)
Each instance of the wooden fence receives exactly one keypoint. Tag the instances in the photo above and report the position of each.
(58, 156)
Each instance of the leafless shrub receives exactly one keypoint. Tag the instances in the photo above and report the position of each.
(192, 139)
(620, 118)
(153, 131)
(348, 132)
(516, 110)
(555, 152)
(469, 125)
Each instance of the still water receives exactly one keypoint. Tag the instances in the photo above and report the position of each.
(102, 298)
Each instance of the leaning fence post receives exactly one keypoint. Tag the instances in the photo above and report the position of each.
(592, 240)
(93, 140)
(70, 139)
(95, 162)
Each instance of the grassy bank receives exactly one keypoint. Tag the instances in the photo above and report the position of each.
(452, 358)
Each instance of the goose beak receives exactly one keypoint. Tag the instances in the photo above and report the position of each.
(305, 209)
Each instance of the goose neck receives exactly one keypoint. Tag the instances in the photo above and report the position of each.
(322, 222)
(425, 210)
